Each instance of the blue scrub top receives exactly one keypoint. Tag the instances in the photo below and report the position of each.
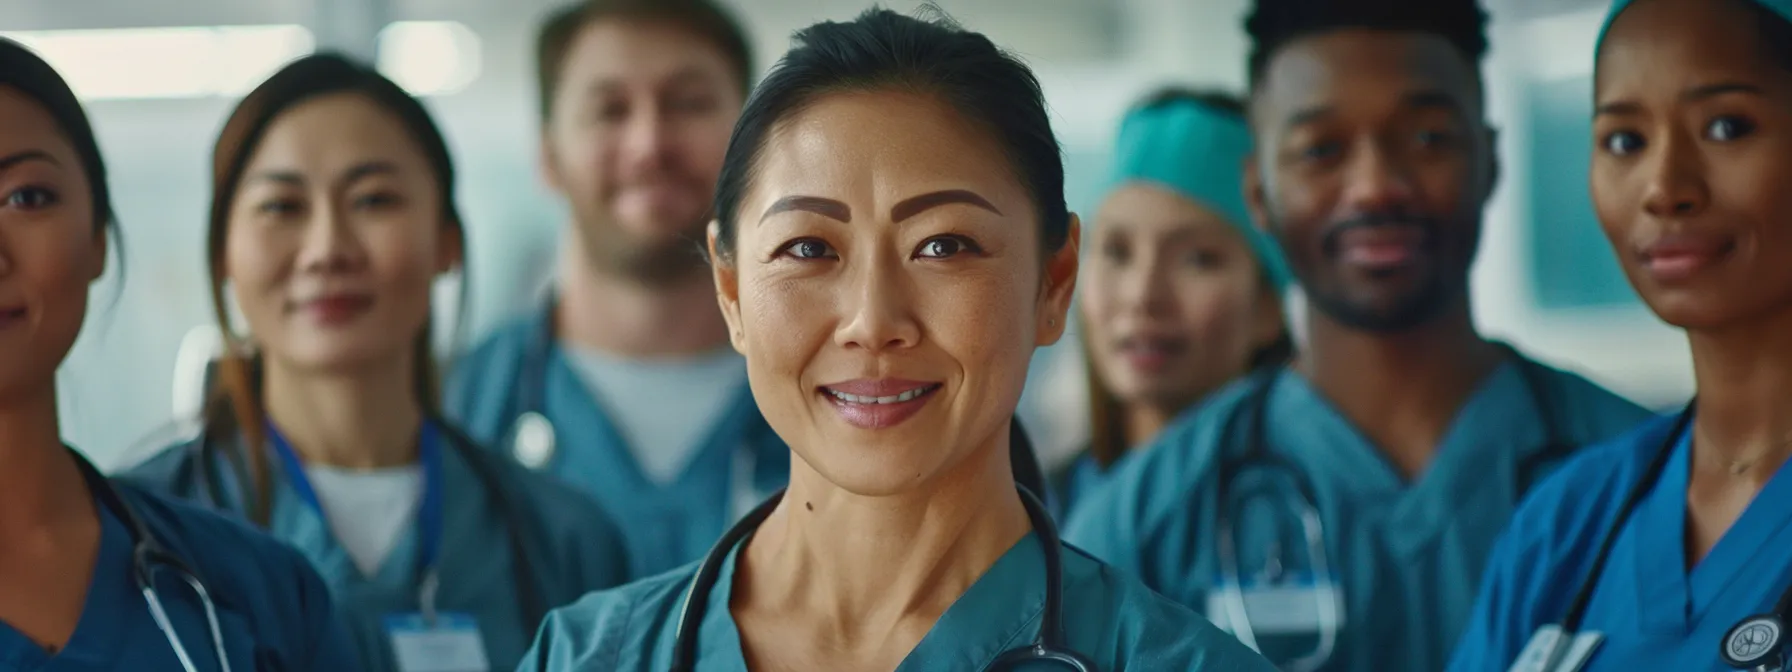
(273, 611)
(572, 546)
(665, 526)
(1407, 556)
(1109, 618)
(1653, 613)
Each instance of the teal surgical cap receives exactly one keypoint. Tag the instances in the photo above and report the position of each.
(1780, 7)
(1198, 152)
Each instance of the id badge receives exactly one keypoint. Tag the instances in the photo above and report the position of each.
(1552, 650)
(1299, 607)
(451, 644)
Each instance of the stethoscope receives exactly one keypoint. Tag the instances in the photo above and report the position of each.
(533, 438)
(1047, 647)
(148, 555)
(1328, 598)
(1755, 643)
(532, 604)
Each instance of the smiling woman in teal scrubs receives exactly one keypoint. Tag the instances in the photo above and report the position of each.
(1667, 548)
(888, 289)
(332, 215)
(80, 588)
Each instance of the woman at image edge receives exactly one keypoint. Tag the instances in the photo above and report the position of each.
(888, 290)
(1692, 181)
(69, 596)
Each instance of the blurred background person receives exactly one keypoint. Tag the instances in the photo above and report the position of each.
(623, 382)
(334, 214)
(1180, 293)
(1337, 513)
(94, 574)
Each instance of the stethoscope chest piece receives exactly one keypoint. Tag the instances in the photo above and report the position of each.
(533, 443)
(1755, 643)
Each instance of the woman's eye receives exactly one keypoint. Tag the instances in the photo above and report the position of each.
(279, 206)
(945, 246)
(1115, 251)
(1725, 129)
(1622, 143)
(1204, 259)
(808, 248)
(375, 201)
(31, 198)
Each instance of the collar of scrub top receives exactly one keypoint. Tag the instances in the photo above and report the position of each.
(429, 513)
(1780, 7)
(1197, 152)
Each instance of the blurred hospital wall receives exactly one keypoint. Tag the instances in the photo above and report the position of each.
(160, 77)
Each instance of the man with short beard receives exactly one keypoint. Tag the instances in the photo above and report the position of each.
(1408, 434)
(624, 382)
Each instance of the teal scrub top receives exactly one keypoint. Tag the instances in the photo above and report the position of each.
(1406, 556)
(1108, 618)
(1652, 612)
(273, 611)
(664, 526)
(571, 545)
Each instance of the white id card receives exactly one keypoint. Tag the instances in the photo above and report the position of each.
(1291, 608)
(452, 644)
(1569, 653)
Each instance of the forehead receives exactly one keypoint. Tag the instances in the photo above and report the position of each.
(1140, 202)
(1359, 68)
(921, 145)
(640, 52)
(1670, 45)
(331, 131)
(26, 126)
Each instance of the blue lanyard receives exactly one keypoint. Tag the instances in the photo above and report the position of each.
(429, 513)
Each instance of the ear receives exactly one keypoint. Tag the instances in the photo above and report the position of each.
(1059, 286)
(452, 250)
(102, 243)
(1254, 199)
(547, 162)
(727, 278)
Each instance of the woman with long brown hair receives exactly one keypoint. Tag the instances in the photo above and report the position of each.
(332, 216)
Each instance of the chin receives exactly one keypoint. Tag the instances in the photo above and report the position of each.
(871, 468)
(655, 227)
(340, 358)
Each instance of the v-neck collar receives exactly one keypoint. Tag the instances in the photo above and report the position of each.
(305, 528)
(1672, 597)
(1496, 428)
(572, 404)
(1000, 611)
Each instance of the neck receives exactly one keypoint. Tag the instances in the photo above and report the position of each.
(606, 312)
(1401, 389)
(40, 485)
(1143, 422)
(367, 419)
(868, 569)
(1743, 429)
